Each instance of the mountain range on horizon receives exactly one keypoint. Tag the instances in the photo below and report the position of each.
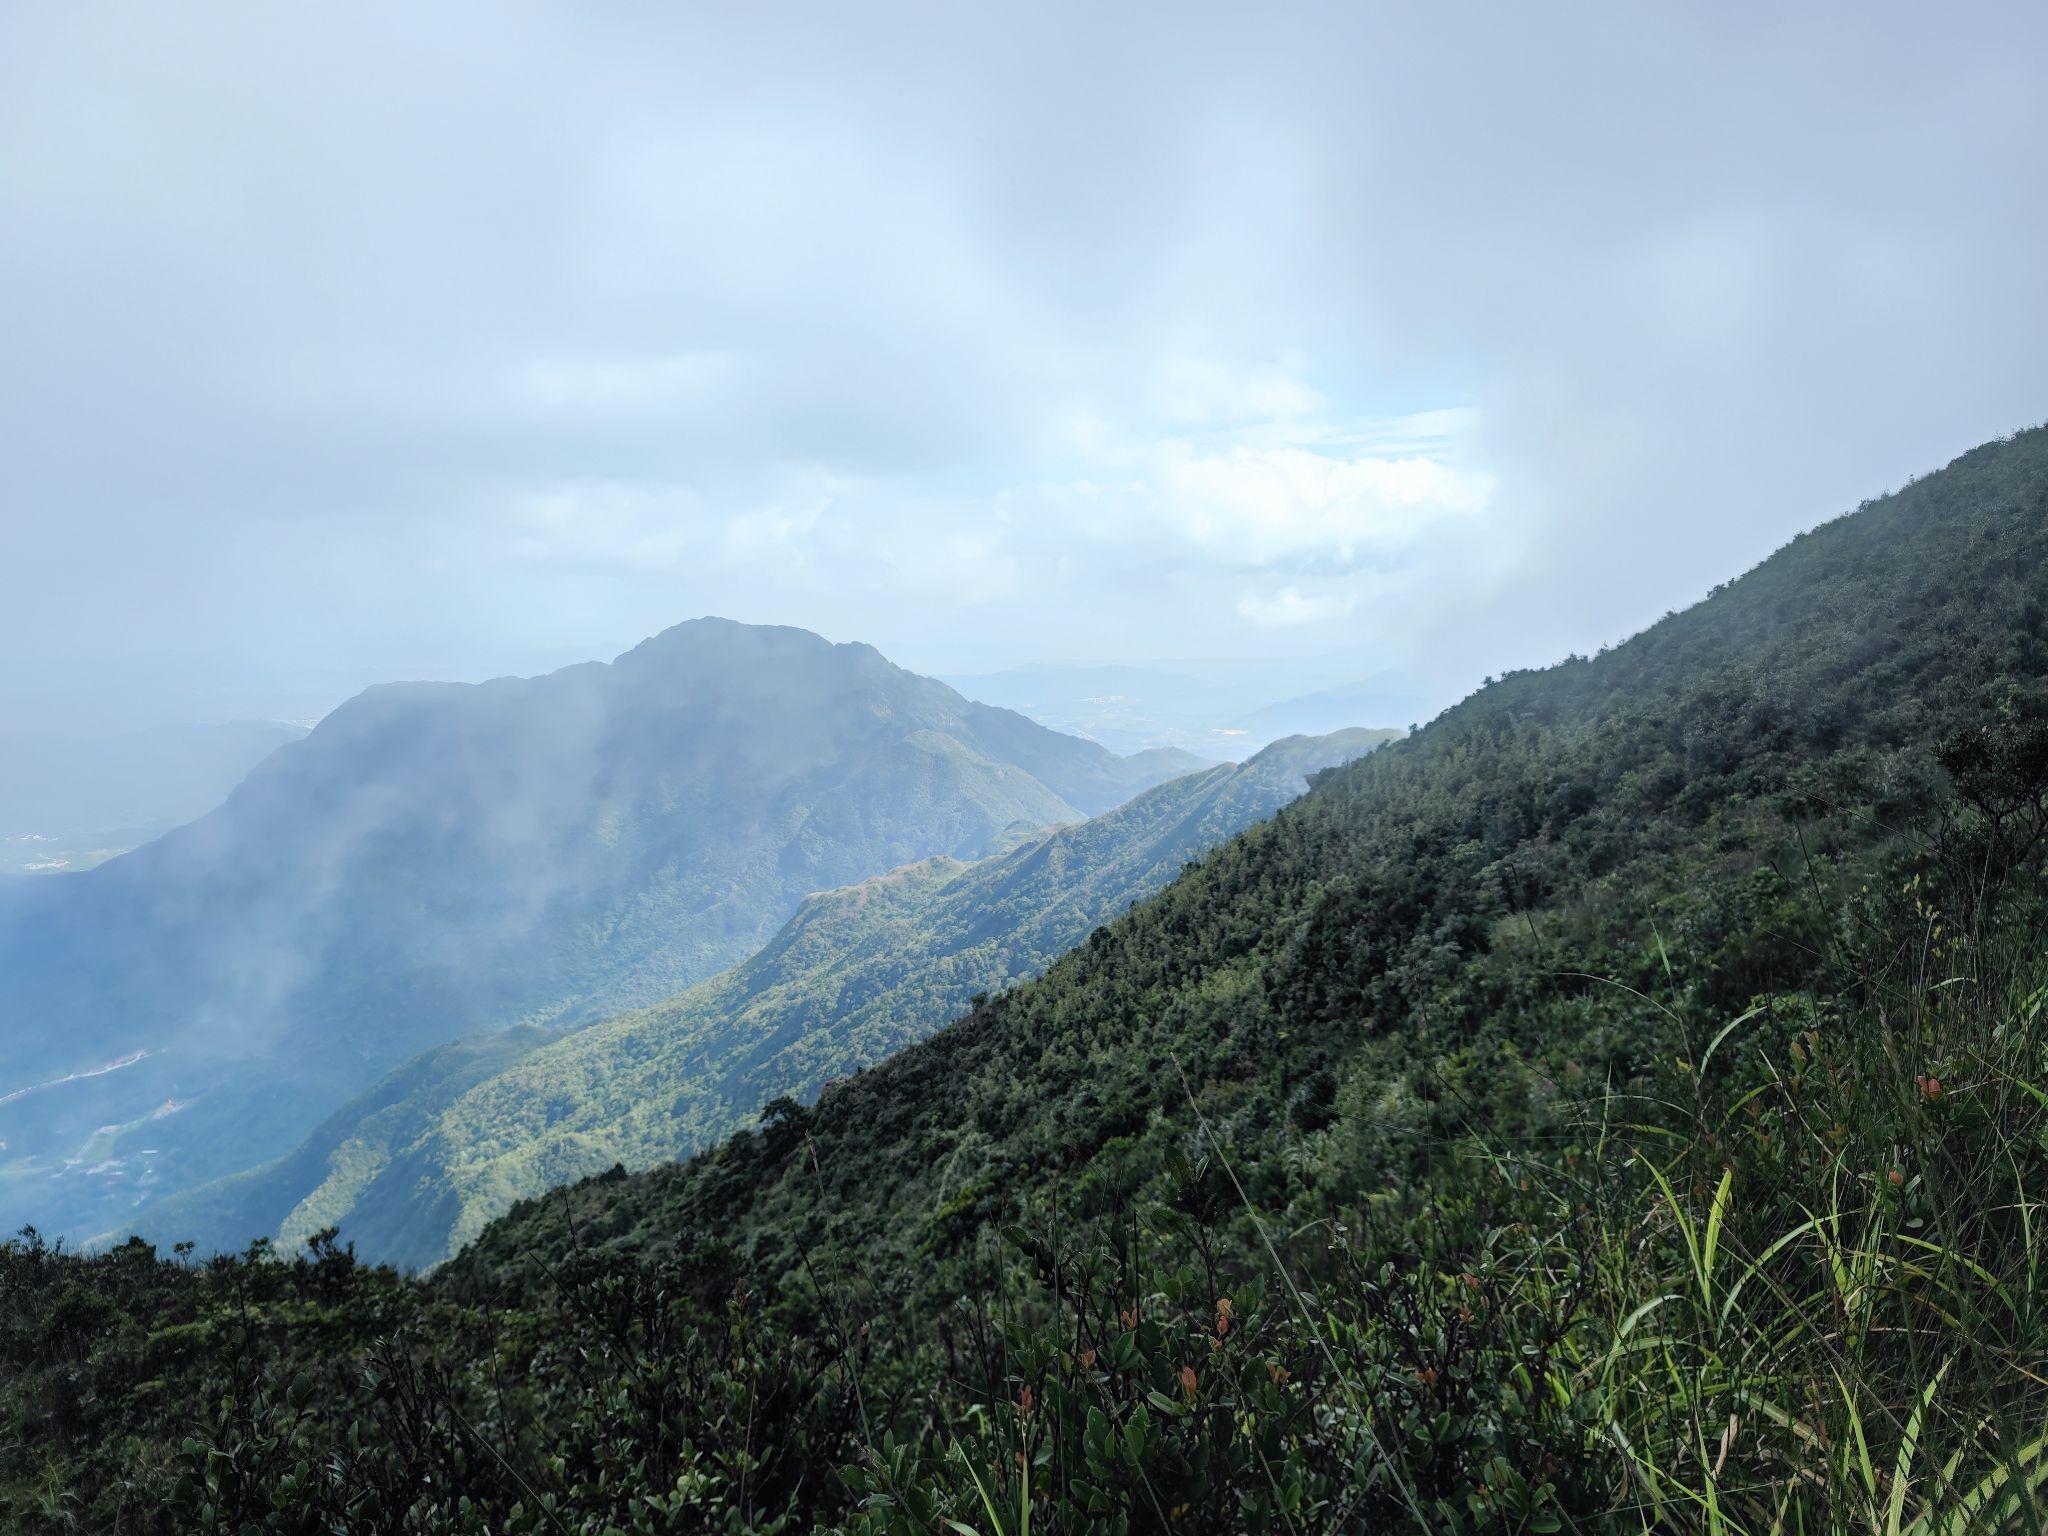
(1212, 708)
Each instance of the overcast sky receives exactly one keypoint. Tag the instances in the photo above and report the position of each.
(357, 341)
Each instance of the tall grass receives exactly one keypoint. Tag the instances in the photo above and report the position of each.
(1796, 1290)
(1851, 1336)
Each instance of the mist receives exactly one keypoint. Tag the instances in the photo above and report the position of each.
(374, 344)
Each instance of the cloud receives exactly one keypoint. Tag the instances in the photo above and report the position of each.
(470, 340)
(606, 526)
(1277, 478)
(1256, 505)
(1289, 608)
(1203, 391)
(634, 386)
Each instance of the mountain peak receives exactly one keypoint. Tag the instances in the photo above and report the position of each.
(524, 848)
(712, 637)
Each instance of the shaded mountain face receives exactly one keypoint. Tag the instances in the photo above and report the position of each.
(435, 859)
(416, 1165)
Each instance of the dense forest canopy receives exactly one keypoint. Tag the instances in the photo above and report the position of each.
(1620, 1105)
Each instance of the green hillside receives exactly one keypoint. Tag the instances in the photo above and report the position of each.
(438, 859)
(415, 1167)
(1403, 932)
(1620, 1106)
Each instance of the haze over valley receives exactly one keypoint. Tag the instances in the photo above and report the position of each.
(68, 803)
(439, 858)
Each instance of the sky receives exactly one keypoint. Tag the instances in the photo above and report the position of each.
(349, 343)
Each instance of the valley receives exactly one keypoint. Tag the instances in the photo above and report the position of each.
(438, 859)
(412, 1170)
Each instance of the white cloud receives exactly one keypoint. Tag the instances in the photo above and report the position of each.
(951, 561)
(606, 525)
(1259, 505)
(1434, 434)
(1076, 327)
(1291, 608)
(607, 386)
(1252, 465)
(783, 531)
(1199, 391)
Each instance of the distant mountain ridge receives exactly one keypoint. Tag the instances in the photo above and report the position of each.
(1386, 697)
(417, 1164)
(1227, 709)
(436, 859)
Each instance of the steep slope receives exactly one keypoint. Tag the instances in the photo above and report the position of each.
(1385, 955)
(418, 1164)
(436, 859)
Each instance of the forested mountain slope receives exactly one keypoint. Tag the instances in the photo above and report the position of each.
(440, 858)
(1617, 1107)
(416, 1166)
(1430, 887)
